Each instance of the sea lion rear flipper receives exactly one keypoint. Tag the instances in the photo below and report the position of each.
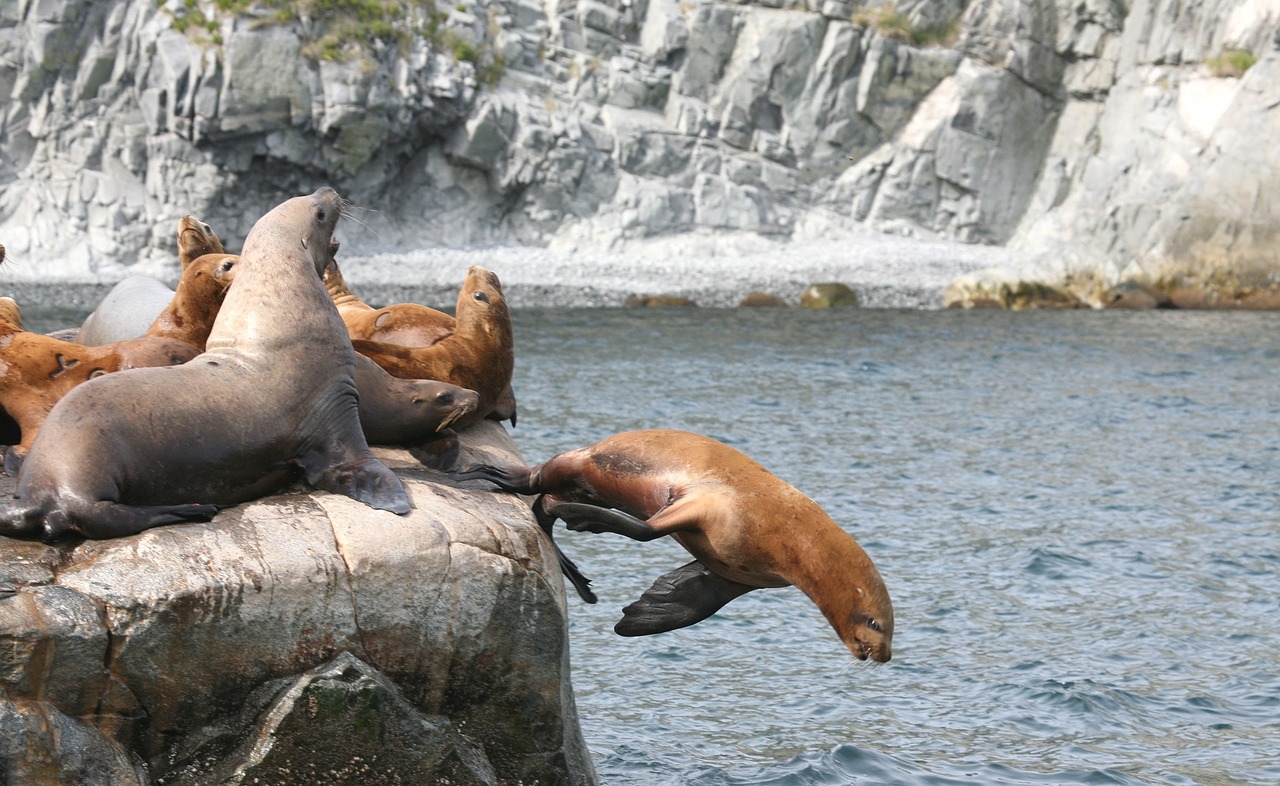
(581, 517)
(678, 599)
(546, 520)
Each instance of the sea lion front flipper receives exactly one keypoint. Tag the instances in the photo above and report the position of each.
(580, 517)
(678, 599)
(546, 520)
(366, 481)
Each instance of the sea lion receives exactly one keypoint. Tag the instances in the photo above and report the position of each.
(406, 324)
(396, 411)
(745, 527)
(191, 311)
(478, 355)
(272, 399)
(132, 305)
(36, 371)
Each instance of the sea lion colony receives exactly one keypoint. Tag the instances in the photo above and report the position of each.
(357, 375)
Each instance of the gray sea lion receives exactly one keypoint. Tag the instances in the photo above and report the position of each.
(272, 399)
(745, 527)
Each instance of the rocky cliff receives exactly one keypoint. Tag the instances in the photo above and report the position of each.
(1095, 135)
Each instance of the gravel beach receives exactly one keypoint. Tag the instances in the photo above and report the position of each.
(885, 270)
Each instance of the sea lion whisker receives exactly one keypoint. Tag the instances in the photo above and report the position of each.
(353, 219)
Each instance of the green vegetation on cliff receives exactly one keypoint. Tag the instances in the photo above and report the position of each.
(342, 30)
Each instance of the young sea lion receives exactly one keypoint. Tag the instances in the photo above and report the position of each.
(272, 398)
(745, 527)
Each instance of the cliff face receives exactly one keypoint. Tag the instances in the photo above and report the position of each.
(1091, 133)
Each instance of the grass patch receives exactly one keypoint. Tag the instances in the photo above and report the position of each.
(1231, 63)
(889, 22)
(342, 30)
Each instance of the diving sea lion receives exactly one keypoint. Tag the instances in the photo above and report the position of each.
(133, 304)
(745, 527)
(479, 354)
(273, 398)
(36, 371)
(406, 324)
(194, 306)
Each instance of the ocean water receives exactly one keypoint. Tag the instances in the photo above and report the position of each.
(1077, 515)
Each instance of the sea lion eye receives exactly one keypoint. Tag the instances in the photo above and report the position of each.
(874, 625)
(320, 214)
(482, 297)
(227, 265)
(208, 230)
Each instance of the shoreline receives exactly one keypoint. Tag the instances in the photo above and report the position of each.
(886, 271)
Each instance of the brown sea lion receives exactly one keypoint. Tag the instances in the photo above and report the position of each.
(272, 399)
(132, 305)
(36, 371)
(406, 324)
(478, 355)
(195, 303)
(745, 527)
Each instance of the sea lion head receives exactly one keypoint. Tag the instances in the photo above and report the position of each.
(195, 239)
(481, 299)
(450, 401)
(867, 626)
(326, 208)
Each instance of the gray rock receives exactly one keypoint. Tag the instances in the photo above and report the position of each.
(155, 639)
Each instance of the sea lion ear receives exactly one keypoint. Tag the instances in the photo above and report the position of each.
(304, 242)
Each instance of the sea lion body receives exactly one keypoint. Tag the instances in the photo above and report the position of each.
(746, 528)
(478, 355)
(133, 304)
(406, 324)
(272, 398)
(37, 371)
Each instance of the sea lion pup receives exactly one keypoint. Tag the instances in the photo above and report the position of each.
(132, 305)
(745, 527)
(195, 303)
(273, 398)
(406, 324)
(478, 355)
(36, 371)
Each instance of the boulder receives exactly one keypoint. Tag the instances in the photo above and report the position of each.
(828, 296)
(303, 627)
(761, 300)
(658, 301)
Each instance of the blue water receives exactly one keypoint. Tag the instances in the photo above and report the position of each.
(1077, 515)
